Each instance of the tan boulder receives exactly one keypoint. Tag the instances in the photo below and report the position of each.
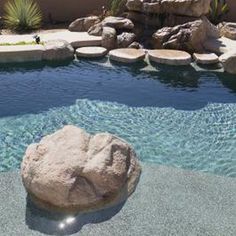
(228, 61)
(118, 23)
(228, 30)
(109, 38)
(194, 8)
(57, 50)
(189, 36)
(83, 24)
(72, 170)
(125, 39)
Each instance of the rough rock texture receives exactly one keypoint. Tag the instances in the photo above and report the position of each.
(118, 23)
(194, 8)
(189, 37)
(83, 24)
(96, 30)
(57, 50)
(135, 45)
(125, 39)
(72, 170)
(109, 38)
(228, 30)
(229, 62)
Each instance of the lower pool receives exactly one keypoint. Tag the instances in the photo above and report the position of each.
(172, 116)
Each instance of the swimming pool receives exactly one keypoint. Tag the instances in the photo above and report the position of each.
(174, 116)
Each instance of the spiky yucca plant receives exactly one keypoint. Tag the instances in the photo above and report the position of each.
(22, 15)
(116, 6)
(218, 9)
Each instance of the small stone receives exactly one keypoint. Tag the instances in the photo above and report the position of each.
(170, 57)
(206, 58)
(127, 55)
(91, 52)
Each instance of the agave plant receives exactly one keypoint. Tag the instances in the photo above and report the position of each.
(218, 9)
(22, 15)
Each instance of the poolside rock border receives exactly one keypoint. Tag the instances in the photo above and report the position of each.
(73, 171)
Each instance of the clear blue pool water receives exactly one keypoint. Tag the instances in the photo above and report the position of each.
(174, 116)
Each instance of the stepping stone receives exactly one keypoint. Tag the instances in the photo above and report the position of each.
(91, 52)
(127, 55)
(170, 57)
(206, 58)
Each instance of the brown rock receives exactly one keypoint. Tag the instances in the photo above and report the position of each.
(72, 170)
(57, 50)
(109, 38)
(83, 24)
(228, 30)
(229, 62)
(125, 39)
(189, 37)
(118, 23)
(95, 30)
(194, 8)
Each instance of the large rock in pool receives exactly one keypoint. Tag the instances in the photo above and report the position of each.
(72, 170)
(229, 62)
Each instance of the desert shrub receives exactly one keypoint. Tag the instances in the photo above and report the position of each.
(22, 15)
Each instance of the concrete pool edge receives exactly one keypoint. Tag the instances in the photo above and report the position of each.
(168, 201)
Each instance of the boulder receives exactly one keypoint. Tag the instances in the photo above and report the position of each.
(119, 23)
(125, 39)
(57, 50)
(73, 171)
(109, 38)
(228, 30)
(189, 37)
(95, 30)
(135, 45)
(206, 58)
(228, 61)
(195, 8)
(83, 24)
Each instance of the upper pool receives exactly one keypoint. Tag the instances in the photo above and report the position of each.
(173, 116)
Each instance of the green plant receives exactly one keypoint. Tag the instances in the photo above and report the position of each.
(218, 9)
(22, 15)
(116, 6)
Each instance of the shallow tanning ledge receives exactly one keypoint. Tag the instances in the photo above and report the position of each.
(127, 55)
(170, 57)
(21, 53)
(91, 52)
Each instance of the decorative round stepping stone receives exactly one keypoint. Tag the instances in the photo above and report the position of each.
(91, 52)
(127, 55)
(170, 57)
(206, 58)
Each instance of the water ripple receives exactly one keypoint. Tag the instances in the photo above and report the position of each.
(202, 140)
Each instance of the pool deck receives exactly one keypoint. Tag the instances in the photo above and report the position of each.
(76, 39)
(168, 201)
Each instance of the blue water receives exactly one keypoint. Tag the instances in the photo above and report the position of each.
(174, 116)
